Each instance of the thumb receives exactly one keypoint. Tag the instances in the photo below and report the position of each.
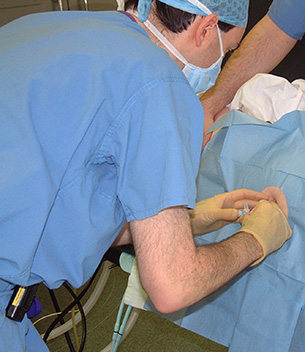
(227, 214)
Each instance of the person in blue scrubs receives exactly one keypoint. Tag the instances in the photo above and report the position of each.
(263, 48)
(100, 140)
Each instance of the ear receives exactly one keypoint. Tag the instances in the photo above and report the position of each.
(203, 29)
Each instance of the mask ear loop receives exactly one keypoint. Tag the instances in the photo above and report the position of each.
(165, 42)
(207, 11)
(161, 37)
(121, 5)
(175, 52)
(168, 44)
(220, 42)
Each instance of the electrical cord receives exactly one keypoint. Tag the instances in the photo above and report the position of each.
(99, 287)
(61, 320)
(84, 323)
(76, 301)
(112, 256)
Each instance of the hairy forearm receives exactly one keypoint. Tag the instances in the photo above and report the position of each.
(227, 259)
(212, 267)
(263, 48)
(175, 273)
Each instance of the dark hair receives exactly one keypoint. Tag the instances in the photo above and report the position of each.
(174, 19)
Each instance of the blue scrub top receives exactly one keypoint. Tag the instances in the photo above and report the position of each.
(289, 15)
(97, 126)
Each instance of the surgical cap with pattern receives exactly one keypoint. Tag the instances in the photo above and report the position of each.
(233, 12)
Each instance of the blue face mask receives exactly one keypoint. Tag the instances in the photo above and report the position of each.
(200, 79)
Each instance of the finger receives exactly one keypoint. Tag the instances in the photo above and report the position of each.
(277, 195)
(248, 194)
(237, 198)
(228, 214)
(251, 203)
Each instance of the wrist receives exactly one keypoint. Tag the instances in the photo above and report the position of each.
(256, 251)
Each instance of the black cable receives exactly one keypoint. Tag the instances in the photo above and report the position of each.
(57, 309)
(76, 301)
(63, 313)
(113, 255)
(84, 323)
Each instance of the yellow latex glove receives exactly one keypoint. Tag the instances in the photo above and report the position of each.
(213, 213)
(269, 225)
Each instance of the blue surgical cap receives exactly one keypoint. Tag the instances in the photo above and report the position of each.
(234, 12)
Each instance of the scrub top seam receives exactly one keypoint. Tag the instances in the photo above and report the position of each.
(126, 108)
(163, 204)
(109, 140)
(112, 130)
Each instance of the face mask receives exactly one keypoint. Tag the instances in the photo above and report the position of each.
(200, 79)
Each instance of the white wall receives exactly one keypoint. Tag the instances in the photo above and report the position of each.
(11, 9)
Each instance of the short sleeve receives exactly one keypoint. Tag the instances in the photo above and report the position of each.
(289, 15)
(156, 144)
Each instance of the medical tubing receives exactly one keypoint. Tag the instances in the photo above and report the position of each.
(119, 329)
(60, 5)
(74, 325)
(117, 323)
(71, 305)
(64, 312)
(122, 328)
(88, 305)
(57, 320)
(61, 320)
(84, 323)
(86, 5)
(131, 321)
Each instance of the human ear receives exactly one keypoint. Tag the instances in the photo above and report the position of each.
(203, 30)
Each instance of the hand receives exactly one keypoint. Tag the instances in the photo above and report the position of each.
(278, 196)
(269, 225)
(213, 213)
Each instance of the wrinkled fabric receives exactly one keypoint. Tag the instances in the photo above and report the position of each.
(94, 132)
(263, 308)
(269, 97)
(289, 15)
(233, 12)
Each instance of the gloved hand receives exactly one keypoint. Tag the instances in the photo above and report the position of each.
(268, 224)
(278, 196)
(213, 213)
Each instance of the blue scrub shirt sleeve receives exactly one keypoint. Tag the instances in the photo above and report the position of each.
(289, 15)
(157, 148)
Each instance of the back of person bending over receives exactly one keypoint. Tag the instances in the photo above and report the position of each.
(99, 129)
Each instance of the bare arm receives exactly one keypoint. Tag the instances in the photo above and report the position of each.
(124, 237)
(262, 49)
(173, 271)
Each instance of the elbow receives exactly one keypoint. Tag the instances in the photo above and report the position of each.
(172, 300)
(165, 299)
(167, 306)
